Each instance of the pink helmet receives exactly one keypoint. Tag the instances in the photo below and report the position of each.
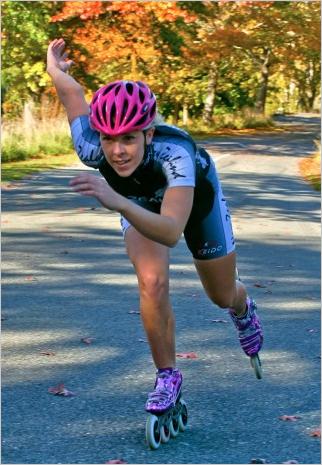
(121, 107)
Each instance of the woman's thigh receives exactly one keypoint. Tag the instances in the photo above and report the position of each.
(218, 277)
(150, 259)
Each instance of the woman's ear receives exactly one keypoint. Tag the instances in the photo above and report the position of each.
(149, 135)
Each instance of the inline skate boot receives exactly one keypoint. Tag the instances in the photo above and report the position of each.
(168, 414)
(250, 334)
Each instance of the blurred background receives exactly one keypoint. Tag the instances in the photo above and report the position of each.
(212, 65)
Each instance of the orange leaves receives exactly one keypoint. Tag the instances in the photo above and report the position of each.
(289, 417)
(83, 10)
(316, 433)
(60, 390)
(192, 355)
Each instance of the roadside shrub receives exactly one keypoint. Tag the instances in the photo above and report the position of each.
(21, 141)
(239, 120)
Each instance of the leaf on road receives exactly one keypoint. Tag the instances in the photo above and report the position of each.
(316, 433)
(87, 340)
(289, 417)
(187, 355)
(116, 461)
(47, 352)
(60, 390)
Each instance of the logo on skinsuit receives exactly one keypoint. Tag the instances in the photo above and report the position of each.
(210, 248)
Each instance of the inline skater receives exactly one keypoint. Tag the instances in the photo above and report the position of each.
(162, 185)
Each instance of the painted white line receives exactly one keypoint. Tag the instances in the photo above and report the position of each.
(221, 156)
(215, 158)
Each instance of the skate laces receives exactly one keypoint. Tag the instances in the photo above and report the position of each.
(165, 387)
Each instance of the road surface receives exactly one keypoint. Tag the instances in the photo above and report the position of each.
(66, 277)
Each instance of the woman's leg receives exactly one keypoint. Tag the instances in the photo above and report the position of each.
(218, 277)
(151, 264)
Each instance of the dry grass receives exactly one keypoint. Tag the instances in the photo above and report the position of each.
(310, 168)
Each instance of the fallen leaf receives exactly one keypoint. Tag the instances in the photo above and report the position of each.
(47, 352)
(115, 461)
(316, 433)
(87, 340)
(289, 417)
(60, 390)
(187, 355)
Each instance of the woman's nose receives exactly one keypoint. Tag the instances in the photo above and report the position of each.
(117, 148)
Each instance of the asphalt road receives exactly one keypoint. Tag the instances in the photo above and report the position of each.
(65, 276)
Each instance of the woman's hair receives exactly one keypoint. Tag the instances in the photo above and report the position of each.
(158, 120)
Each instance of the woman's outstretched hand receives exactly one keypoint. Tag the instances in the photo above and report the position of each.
(93, 186)
(57, 57)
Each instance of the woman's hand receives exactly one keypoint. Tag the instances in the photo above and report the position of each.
(93, 186)
(57, 57)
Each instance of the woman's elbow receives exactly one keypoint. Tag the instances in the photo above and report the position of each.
(172, 240)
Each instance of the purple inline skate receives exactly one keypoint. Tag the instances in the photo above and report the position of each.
(167, 411)
(250, 335)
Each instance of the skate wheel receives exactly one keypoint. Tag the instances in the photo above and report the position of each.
(256, 364)
(183, 417)
(165, 434)
(174, 427)
(152, 432)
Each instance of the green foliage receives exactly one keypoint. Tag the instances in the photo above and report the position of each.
(26, 31)
(174, 54)
(20, 142)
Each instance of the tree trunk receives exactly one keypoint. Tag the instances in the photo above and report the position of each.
(185, 114)
(263, 82)
(211, 94)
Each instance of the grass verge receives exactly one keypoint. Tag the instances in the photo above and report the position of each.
(15, 170)
(310, 168)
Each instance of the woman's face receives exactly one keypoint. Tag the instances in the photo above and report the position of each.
(124, 153)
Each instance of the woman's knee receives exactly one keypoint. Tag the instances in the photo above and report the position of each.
(153, 285)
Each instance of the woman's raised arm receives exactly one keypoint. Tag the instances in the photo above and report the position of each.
(70, 93)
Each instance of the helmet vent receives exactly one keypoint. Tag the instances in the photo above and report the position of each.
(129, 88)
(141, 96)
(133, 113)
(153, 109)
(124, 109)
(113, 115)
(108, 88)
(141, 120)
(117, 89)
(104, 112)
(98, 117)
